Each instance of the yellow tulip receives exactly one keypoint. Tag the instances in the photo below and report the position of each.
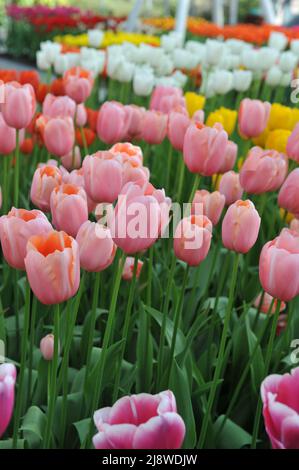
(194, 102)
(287, 218)
(214, 117)
(280, 117)
(277, 140)
(230, 118)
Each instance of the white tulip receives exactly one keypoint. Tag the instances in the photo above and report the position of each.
(222, 81)
(250, 59)
(165, 66)
(95, 37)
(143, 83)
(197, 48)
(287, 61)
(180, 78)
(183, 59)
(168, 42)
(52, 49)
(274, 76)
(166, 81)
(43, 61)
(125, 71)
(236, 46)
(242, 80)
(278, 40)
(61, 64)
(295, 47)
(214, 51)
(73, 59)
(229, 61)
(286, 79)
(267, 57)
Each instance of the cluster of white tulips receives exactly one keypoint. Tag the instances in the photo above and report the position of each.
(225, 65)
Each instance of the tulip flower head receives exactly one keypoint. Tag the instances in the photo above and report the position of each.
(192, 239)
(154, 424)
(209, 204)
(253, 117)
(280, 409)
(230, 187)
(279, 266)
(15, 230)
(45, 179)
(8, 375)
(112, 123)
(128, 269)
(19, 105)
(78, 84)
(47, 347)
(288, 196)
(52, 265)
(240, 226)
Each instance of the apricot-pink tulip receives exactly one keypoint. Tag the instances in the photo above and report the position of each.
(209, 204)
(8, 375)
(263, 171)
(293, 144)
(279, 266)
(112, 123)
(141, 421)
(47, 347)
(166, 98)
(19, 105)
(96, 246)
(288, 196)
(178, 123)
(69, 208)
(72, 160)
(15, 230)
(102, 176)
(280, 395)
(230, 187)
(229, 157)
(7, 137)
(240, 226)
(154, 128)
(253, 117)
(128, 269)
(78, 84)
(76, 177)
(192, 239)
(266, 303)
(53, 267)
(204, 148)
(44, 180)
(59, 135)
(125, 151)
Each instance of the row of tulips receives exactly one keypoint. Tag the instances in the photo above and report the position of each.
(168, 356)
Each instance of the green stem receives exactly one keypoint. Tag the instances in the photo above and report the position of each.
(257, 418)
(5, 177)
(86, 151)
(21, 392)
(177, 321)
(181, 173)
(92, 324)
(107, 335)
(194, 188)
(169, 161)
(219, 363)
(53, 384)
(125, 330)
(32, 336)
(17, 169)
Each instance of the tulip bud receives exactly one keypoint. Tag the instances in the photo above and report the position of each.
(240, 226)
(230, 187)
(47, 347)
(128, 270)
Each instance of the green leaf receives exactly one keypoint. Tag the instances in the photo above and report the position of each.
(181, 388)
(82, 428)
(257, 366)
(33, 426)
(229, 435)
(144, 354)
(8, 444)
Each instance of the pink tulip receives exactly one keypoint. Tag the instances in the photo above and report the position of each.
(47, 347)
(7, 137)
(141, 421)
(288, 196)
(58, 134)
(294, 225)
(45, 179)
(154, 128)
(198, 116)
(178, 124)
(267, 301)
(125, 151)
(69, 208)
(15, 230)
(135, 173)
(134, 115)
(128, 270)
(96, 246)
(76, 177)
(140, 217)
(78, 84)
(8, 375)
(240, 226)
(192, 239)
(263, 171)
(209, 204)
(204, 148)
(279, 266)
(229, 158)
(71, 161)
(281, 409)
(293, 144)
(102, 176)
(112, 124)
(53, 267)
(19, 105)
(166, 98)
(230, 187)
(58, 106)
(253, 117)
(81, 117)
